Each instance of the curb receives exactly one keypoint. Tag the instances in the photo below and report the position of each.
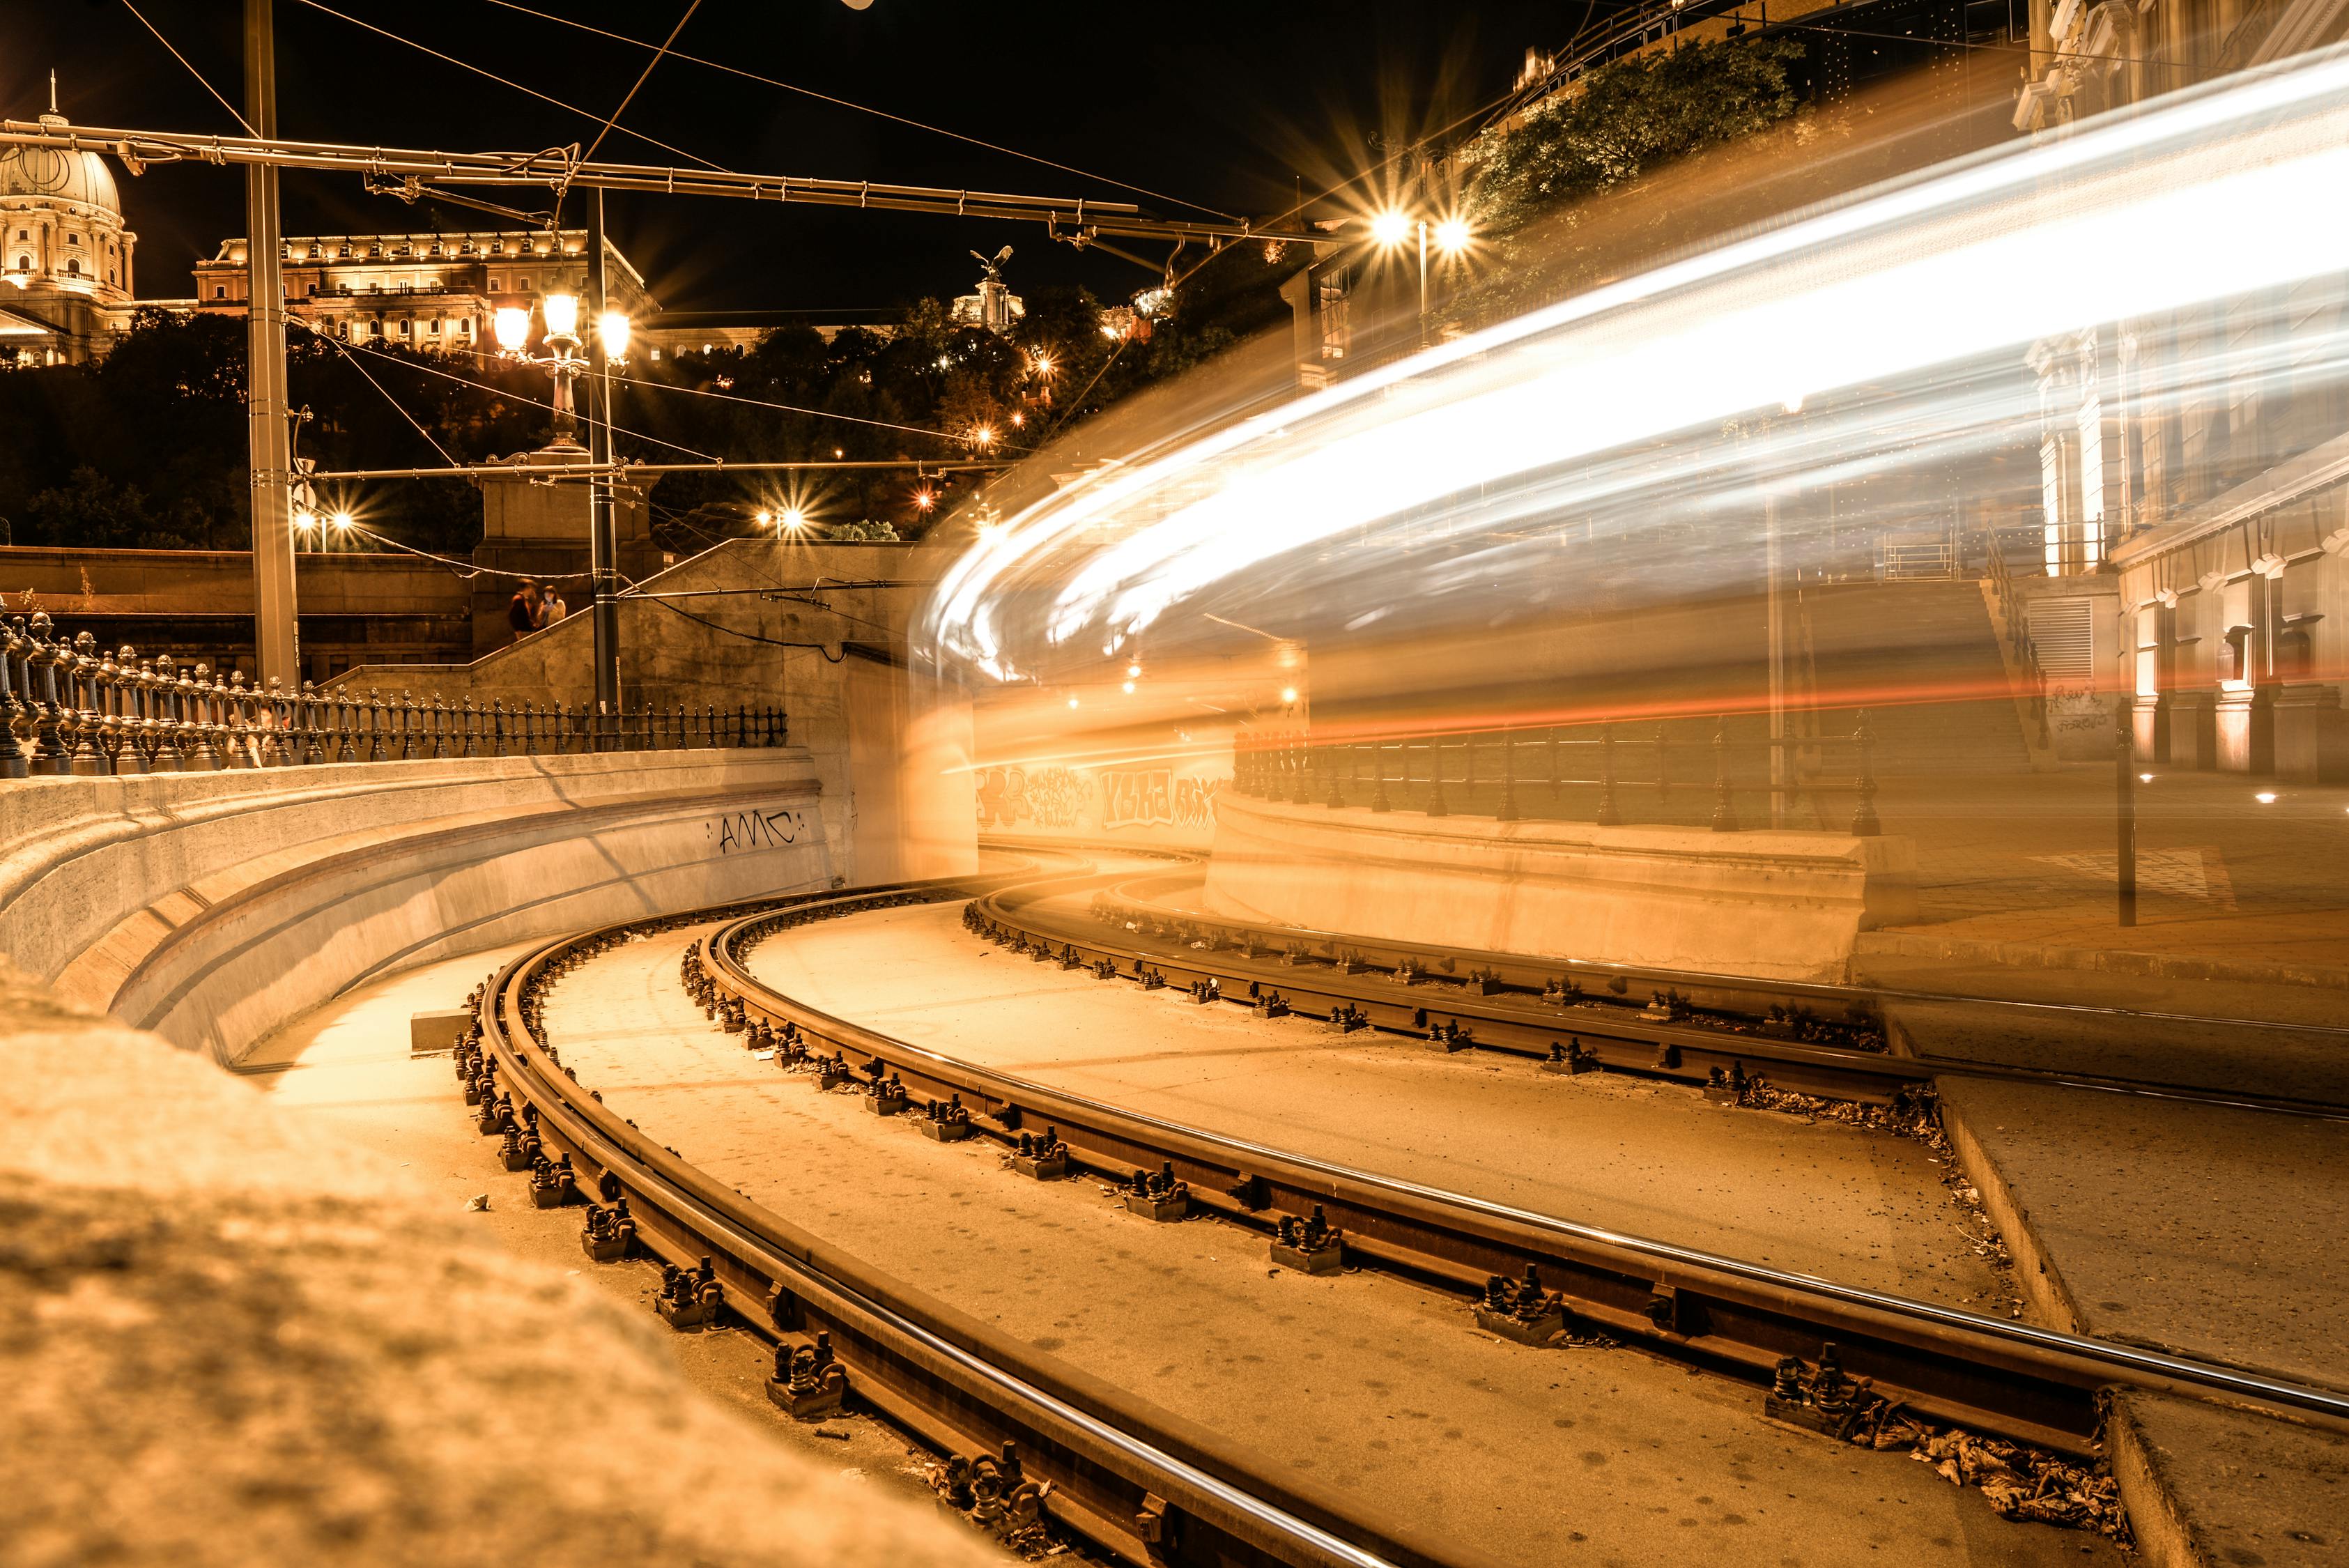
(2041, 955)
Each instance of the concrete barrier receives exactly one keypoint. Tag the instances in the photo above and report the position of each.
(1778, 904)
(210, 907)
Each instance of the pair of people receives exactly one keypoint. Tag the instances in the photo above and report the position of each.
(535, 607)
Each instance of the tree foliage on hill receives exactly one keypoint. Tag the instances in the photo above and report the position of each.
(1622, 121)
(147, 448)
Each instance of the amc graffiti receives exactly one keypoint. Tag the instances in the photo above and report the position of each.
(1154, 797)
(754, 830)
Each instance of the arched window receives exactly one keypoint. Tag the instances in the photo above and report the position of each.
(220, 291)
(73, 267)
(24, 264)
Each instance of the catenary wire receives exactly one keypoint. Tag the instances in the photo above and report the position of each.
(867, 108)
(201, 79)
(504, 82)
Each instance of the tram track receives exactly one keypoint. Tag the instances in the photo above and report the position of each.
(1147, 1487)
(1720, 1030)
(1029, 1437)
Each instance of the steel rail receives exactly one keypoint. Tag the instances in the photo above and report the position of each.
(1135, 1479)
(2035, 1384)
(561, 168)
(1513, 1016)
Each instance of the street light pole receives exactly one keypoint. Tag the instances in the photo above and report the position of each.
(602, 548)
(276, 636)
(1423, 283)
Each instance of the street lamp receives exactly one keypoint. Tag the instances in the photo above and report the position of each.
(565, 363)
(1392, 228)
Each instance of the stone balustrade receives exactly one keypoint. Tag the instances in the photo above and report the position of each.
(68, 709)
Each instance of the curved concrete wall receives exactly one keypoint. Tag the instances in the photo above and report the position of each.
(212, 907)
(1782, 905)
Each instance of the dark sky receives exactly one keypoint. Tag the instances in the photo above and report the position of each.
(1213, 102)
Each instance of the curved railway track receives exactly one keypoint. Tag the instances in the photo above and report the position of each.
(1027, 1438)
(1805, 1037)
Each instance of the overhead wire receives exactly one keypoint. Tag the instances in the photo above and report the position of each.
(201, 79)
(502, 391)
(344, 349)
(795, 409)
(641, 76)
(867, 109)
(505, 81)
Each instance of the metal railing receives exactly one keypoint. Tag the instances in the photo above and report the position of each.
(68, 710)
(2025, 652)
(1584, 774)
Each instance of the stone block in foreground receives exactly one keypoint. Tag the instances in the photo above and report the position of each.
(230, 1339)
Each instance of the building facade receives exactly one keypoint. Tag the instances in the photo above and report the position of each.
(425, 291)
(2203, 454)
(65, 255)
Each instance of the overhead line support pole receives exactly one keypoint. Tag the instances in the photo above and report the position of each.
(602, 548)
(277, 632)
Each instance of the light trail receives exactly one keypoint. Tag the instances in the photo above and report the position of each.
(1934, 274)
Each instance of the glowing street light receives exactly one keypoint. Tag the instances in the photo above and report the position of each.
(342, 521)
(513, 328)
(1041, 364)
(794, 520)
(612, 331)
(1391, 228)
(564, 362)
(924, 500)
(1451, 236)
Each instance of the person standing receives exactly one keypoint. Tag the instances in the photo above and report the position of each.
(521, 614)
(550, 606)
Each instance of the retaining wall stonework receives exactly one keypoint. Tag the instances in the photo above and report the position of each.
(212, 907)
(1778, 904)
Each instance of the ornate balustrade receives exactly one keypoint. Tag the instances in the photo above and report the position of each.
(1573, 774)
(68, 709)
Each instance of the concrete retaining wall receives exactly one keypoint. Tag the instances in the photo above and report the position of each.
(210, 907)
(1785, 904)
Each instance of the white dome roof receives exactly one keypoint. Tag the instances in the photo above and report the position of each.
(44, 171)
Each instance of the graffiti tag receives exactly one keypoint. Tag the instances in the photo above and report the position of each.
(1041, 798)
(754, 830)
(1154, 797)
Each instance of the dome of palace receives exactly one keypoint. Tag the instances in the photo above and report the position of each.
(45, 173)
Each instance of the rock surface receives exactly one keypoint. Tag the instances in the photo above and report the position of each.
(221, 1343)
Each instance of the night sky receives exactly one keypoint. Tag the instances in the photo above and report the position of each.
(1222, 104)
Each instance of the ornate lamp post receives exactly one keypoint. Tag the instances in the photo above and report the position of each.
(564, 362)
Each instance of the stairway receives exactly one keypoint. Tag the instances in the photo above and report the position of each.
(1923, 660)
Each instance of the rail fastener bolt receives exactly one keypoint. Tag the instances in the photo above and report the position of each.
(1311, 1246)
(887, 1096)
(1570, 1059)
(944, 1121)
(1522, 1311)
(1157, 1195)
(809, 1382)
(1044, 1158)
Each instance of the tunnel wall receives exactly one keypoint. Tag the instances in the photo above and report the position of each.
(1780, 904)
(212, 907)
